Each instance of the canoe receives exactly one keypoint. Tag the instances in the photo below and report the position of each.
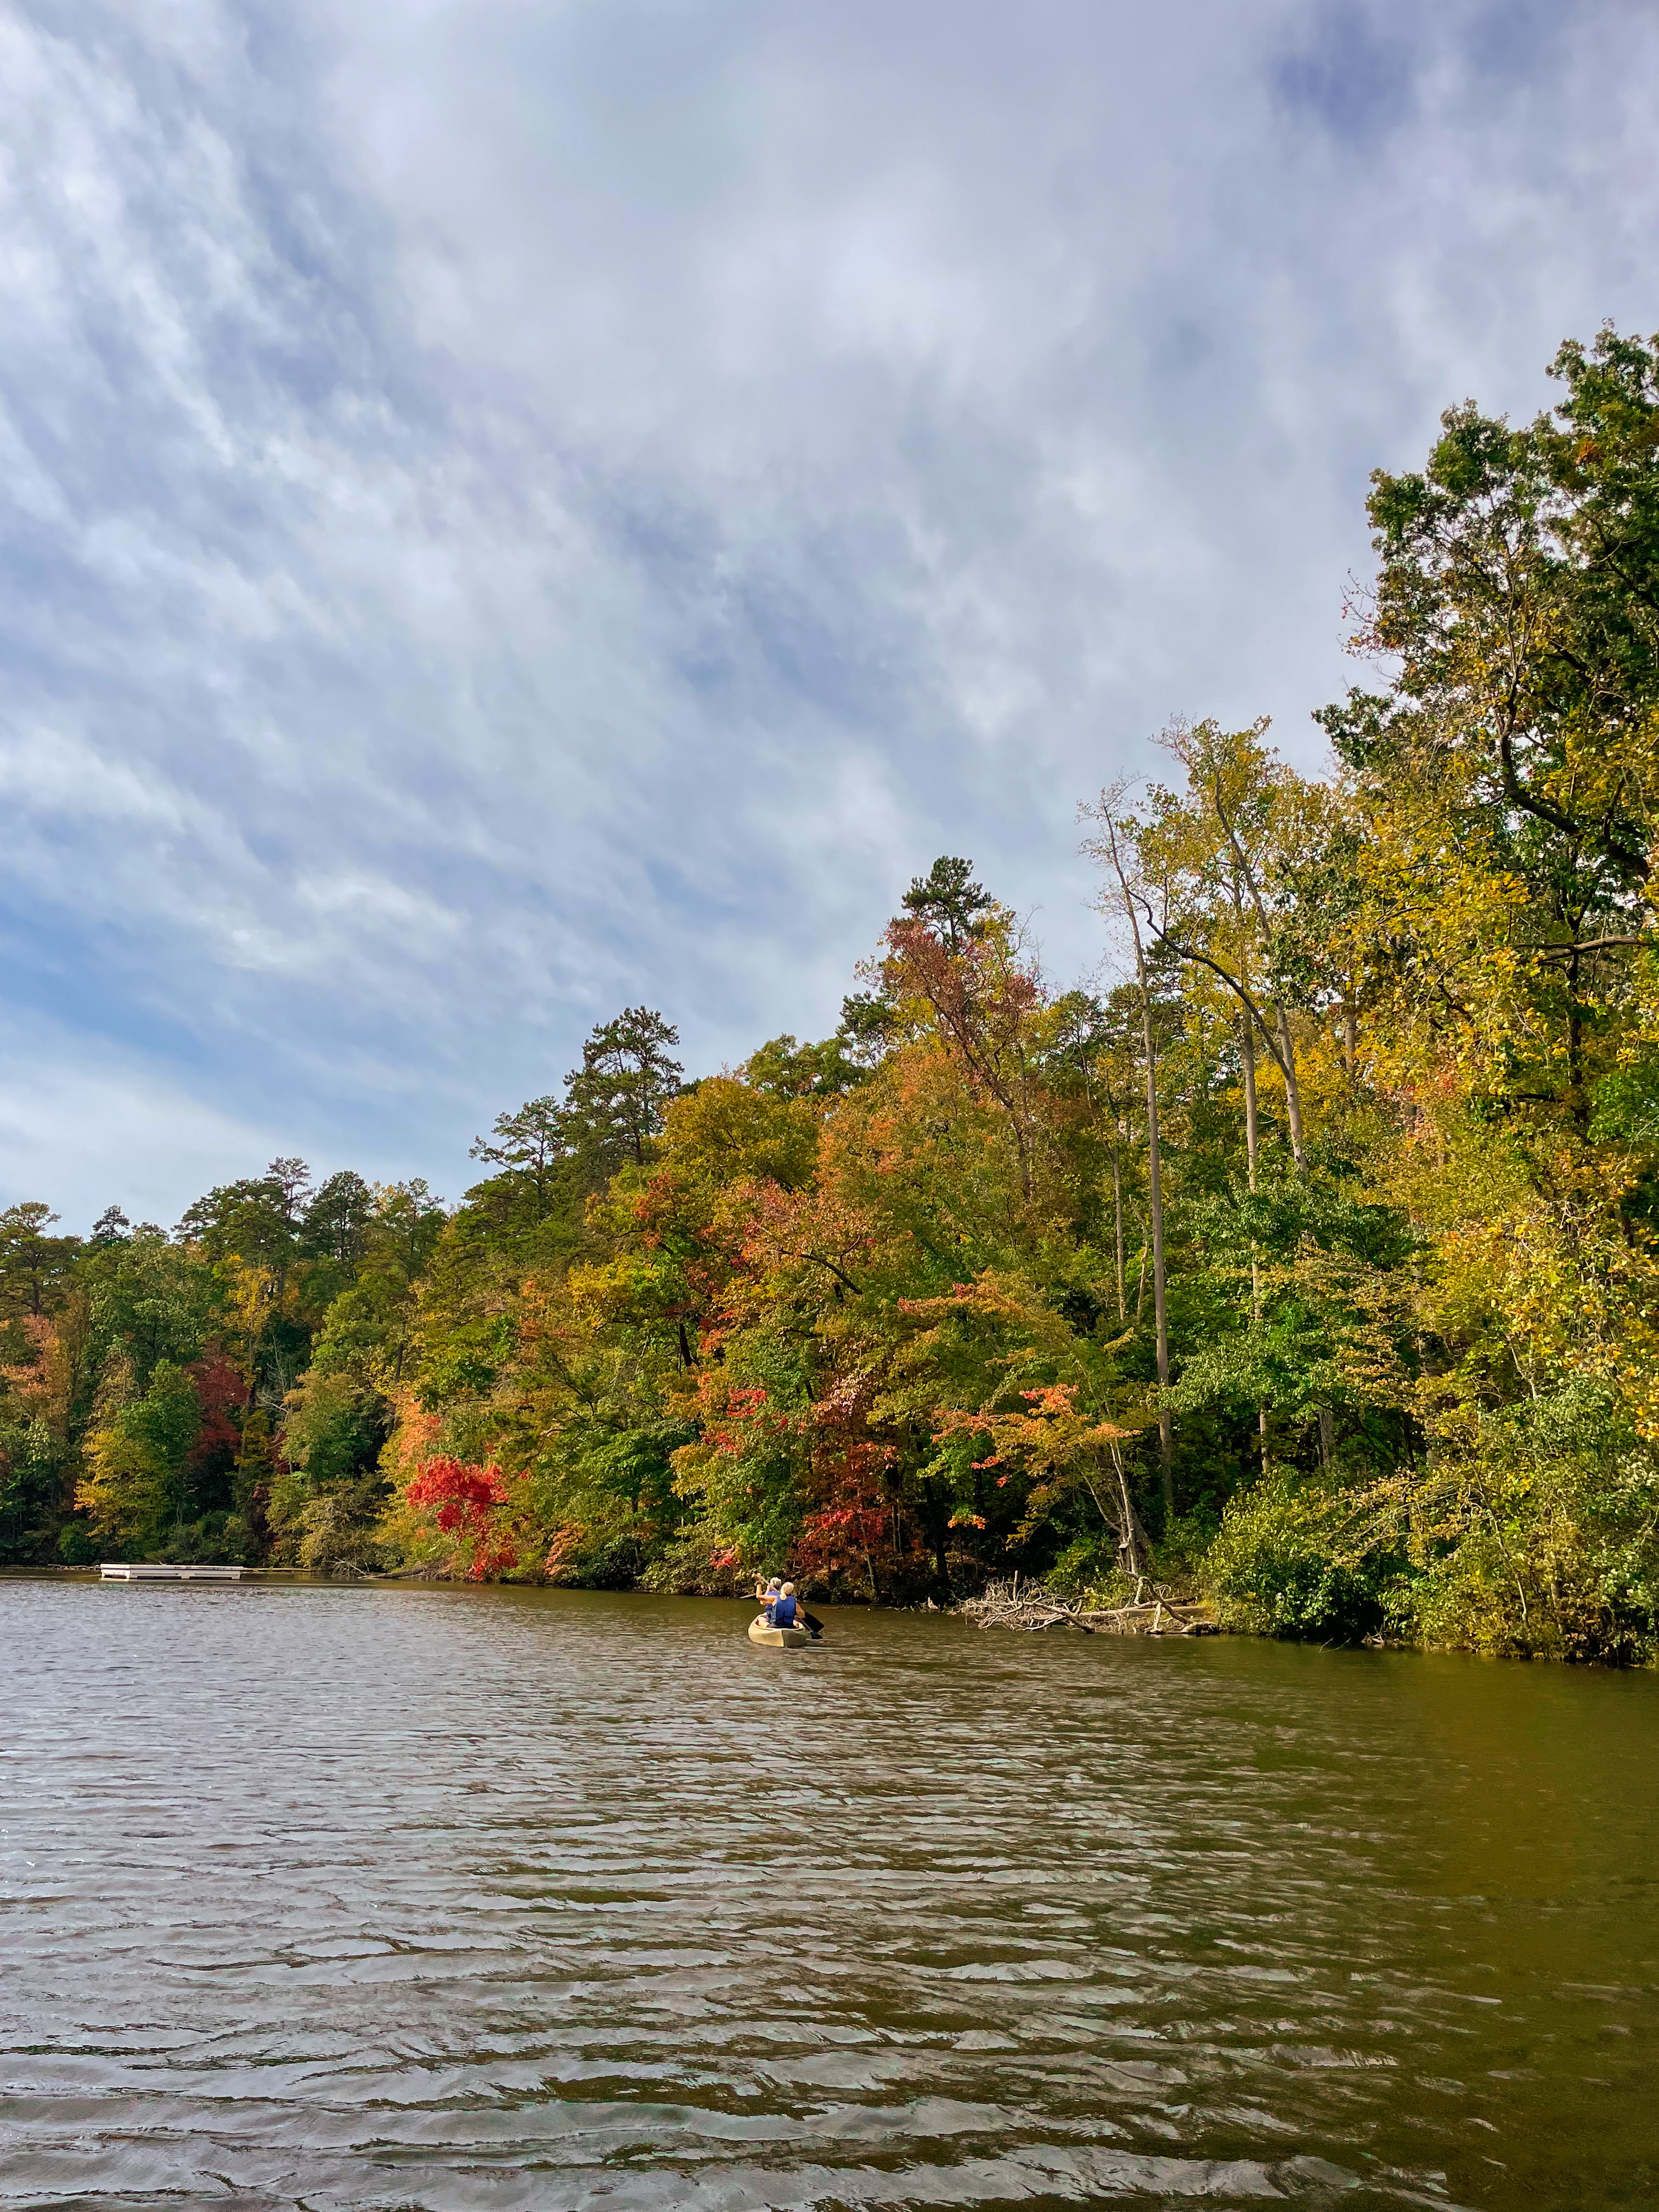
(792, 1639)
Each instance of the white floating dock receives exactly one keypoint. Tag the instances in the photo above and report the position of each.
(115, 1571)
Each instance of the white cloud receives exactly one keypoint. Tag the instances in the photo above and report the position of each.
(88, 1126)
(514, 508)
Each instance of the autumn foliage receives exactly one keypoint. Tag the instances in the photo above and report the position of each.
(1306, 1254)
(463, 1501)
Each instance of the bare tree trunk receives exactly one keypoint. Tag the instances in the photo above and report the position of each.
(1252, 1148)
(1252, 1114)
(1293, 1107)
(1155, 1184)
(1292, 1090)
(1132, 1544)
(1117, 1218)
(1155, 1197)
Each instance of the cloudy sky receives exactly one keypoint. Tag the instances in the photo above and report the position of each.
(514, 508)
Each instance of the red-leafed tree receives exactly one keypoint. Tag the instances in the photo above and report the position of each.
(854, 1529)
(467, 1499)
(222, 1390)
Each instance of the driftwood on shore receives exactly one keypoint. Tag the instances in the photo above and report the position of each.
(1008, 1605)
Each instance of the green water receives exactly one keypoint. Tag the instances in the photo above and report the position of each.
(455, 1899)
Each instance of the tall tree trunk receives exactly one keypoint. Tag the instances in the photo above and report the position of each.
(1252, 1148)
(1155, 1195)
(1293, 1108)
(1155, 1186)
(1117, 1223)
(1252, 1114)
(1133, 1547)
(1292, 1090)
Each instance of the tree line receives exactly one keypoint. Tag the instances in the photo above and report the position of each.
(1311, 1265)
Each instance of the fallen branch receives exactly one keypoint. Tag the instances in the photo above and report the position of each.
(1006, 1605)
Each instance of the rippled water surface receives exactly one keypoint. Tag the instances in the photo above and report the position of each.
(479, 1899)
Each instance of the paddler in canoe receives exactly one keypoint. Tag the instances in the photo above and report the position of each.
(785, 1620)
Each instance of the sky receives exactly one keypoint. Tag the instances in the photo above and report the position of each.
(512, 508)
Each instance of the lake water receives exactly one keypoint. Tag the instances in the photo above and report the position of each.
(469, 1899)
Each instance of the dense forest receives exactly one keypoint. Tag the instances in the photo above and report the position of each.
(1311, 1265)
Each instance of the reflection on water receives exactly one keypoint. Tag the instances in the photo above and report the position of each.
(496, 1898)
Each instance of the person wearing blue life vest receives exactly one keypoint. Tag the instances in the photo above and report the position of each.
(776, 1593)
